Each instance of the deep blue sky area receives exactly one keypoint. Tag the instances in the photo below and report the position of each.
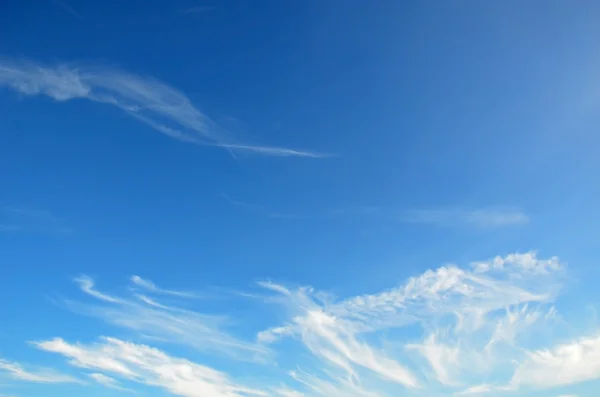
(151, 138)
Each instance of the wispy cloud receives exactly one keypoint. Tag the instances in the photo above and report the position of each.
(564, 364)
(149, 366)
(481, 218)
(260, 210)
(198, 9)
(150, 286)
(159, 320)
(108, 382)
(464, 309)
(475, 390)
(68, 9)
(148, 100)
(454, 330)
(20, 219)
(18, 372)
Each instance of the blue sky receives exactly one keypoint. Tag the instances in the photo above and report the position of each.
(299, 198)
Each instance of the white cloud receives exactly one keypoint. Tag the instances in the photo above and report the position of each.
(334, 341)
(475, 390)
(18, 372)
(285, 392)
(520, 263)
(441, 357)
(68, 9)
(455, 330)
(172, 324)
(151, 367)
(482, 218)
(87, 285)
(24, 219)
(334, 387)
(197, 9)
(107, 381)
(150, 286)
(148, 100)
(517, 320)
(564, 364)
(464, 310)
(449, 290)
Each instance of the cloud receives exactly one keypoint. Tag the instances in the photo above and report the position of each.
(464, 309)
(107, 381)
(150, 286)
(198, 9)
(68, 9)
(475, 390)
(518, 263)
(455, 330)
(480, 218)
(257, 209)
(149, 366)
(18, 372)
(150, 101)
(204, 332)
(339, 387)
(21, 219)
(333, 340)
(564, 364)
(285, 392)
(440, 357)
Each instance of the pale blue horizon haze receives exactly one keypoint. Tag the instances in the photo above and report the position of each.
(299, 198)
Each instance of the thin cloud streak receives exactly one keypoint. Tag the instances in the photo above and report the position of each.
(480, 218)
(259, 210)
(203, 332)
(150, 286)
(149, 366)
(109, 382)
(197, 9)
(18, 372)
(30, 220)
(68, 9)
(146, 99)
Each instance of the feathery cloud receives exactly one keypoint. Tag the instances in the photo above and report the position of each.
(466, 310)
(481, 218)
(68, 9)
(150, 101)
(108, 382)
(565, 364)
(466, 327)
(149, 366)
(205, 332)
(257, 209)
(150, 286)
(21, 219)
(475, 390)
(198, 9)
(18, 372)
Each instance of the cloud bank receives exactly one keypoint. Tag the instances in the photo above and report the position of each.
(487, 328)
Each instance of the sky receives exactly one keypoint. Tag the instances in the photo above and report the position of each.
(332, 198)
